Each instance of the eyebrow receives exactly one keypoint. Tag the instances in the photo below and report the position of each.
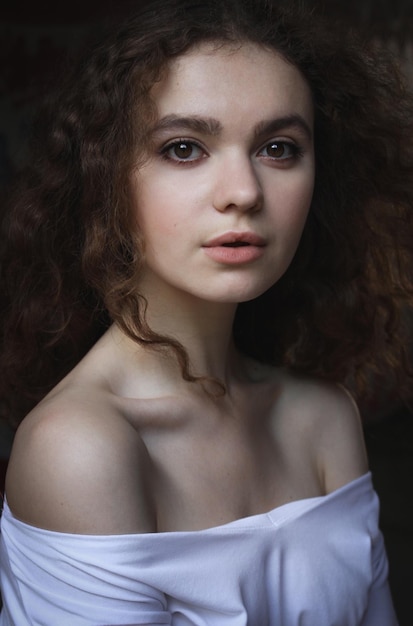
(211, 126)
(294, 121)
(204, 125)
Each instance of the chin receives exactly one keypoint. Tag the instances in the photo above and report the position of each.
(237, 296)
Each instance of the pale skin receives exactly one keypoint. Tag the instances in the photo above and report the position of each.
(123, 444)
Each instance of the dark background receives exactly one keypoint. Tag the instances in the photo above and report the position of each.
(37, 39)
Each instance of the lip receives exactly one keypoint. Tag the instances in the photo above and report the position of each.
(248, 237)
(220, 249)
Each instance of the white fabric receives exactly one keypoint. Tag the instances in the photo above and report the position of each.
(315, 562)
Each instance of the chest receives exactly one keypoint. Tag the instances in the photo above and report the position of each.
(201, 477)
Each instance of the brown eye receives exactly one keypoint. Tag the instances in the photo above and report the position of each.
(183, 150)
(276, 150)
(280, 151)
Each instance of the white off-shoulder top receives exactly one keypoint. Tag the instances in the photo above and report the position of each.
(314, 562)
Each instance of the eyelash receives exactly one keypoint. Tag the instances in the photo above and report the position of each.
(295, 151)
(173, 144)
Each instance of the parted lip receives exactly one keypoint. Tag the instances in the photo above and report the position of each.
(248, 238)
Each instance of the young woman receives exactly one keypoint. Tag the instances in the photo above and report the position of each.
(212, 238)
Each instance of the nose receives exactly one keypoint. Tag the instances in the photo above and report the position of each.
(237, 185)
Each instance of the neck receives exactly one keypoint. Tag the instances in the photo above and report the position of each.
(203, 328)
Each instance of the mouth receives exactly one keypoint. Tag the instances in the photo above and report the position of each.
(234, 249)
(236, 240)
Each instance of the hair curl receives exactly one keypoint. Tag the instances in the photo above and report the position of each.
(71, 255)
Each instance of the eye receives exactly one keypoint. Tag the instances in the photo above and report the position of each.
(182, 151)
(280, 150)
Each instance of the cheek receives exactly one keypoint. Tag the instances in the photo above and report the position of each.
(301, 205)
(294, 204)
(165, 203)
(154, 217)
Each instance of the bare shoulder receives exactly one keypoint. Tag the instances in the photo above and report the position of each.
(78, 466)
(328, 423)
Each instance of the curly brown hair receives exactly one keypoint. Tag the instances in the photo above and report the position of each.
(71, 255)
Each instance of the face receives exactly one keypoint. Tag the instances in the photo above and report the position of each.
(224, 194)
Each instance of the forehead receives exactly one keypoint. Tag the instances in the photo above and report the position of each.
(213, 79)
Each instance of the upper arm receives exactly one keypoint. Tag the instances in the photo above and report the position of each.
(75, 471)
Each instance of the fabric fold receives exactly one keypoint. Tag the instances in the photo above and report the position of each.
(314, 561)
